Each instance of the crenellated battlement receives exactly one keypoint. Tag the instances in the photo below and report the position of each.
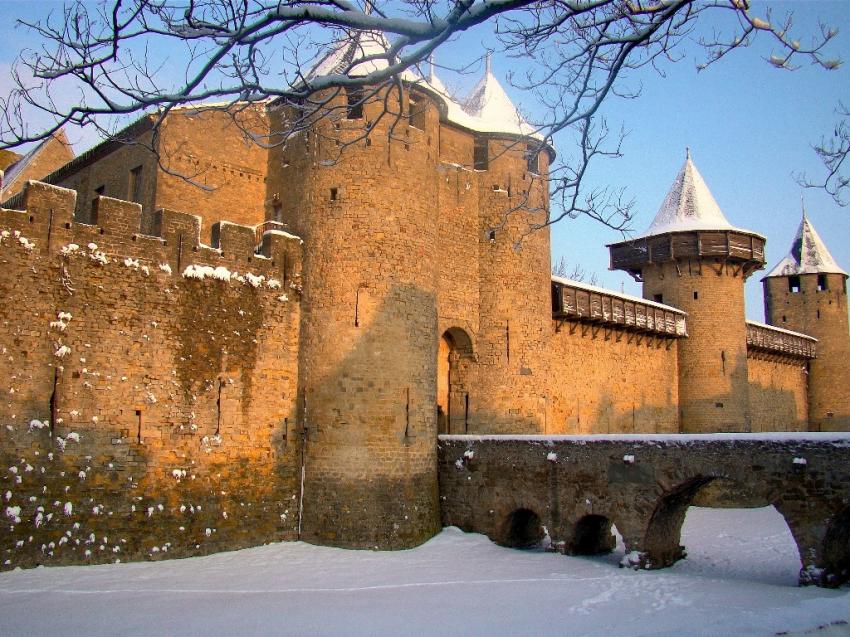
(47, 223)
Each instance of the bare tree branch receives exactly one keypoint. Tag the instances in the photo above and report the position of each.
(92, 63)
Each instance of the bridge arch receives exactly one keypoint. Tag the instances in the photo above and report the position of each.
(664, 531)
(592, 536)
(521, 528)
(836, 550)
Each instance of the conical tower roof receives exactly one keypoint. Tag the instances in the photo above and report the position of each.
(689, 205)
(808, 255)
(369, 46)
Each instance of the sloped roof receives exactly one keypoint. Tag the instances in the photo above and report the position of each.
(689, 205)
(369, 46)
(56, 143)
(808, 255)
(487, 109)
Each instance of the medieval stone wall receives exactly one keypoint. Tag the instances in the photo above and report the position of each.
(607, 380)
(149, 402)
(778, 392)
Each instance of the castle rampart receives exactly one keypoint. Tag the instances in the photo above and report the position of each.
(149, 405)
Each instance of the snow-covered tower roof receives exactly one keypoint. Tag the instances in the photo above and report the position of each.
(689, 225)
(369, 46)
(808, 255)
(689, 205)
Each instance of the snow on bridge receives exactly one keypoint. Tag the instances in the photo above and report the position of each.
(516, 488)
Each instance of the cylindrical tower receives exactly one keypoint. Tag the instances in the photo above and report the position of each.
(692, 258)
(807, 292)
(368, 350)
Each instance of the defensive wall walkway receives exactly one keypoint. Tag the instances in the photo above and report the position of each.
(515, 488)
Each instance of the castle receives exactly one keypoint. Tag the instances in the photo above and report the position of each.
(277, 362)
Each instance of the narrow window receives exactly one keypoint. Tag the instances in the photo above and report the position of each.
(822, 287)
(480, 154)
(355, 103)
(416, 113)
(696, 295)
(333, 194)
(658, 298)
(794, 284)
(134, 190)
(532, 158)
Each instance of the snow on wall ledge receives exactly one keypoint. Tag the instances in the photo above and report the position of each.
(148, 385)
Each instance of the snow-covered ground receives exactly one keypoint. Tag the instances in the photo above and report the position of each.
(739, 579)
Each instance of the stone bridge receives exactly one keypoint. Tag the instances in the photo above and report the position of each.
(511, 487)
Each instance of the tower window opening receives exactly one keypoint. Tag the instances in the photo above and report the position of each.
(696, 295)
(532, 158)
(794, 284)
(822, 286)
(416, 114)
(480, 154)
(818, 313)
(134, 189)
(355, 103)
(658, 298)
(334, 194)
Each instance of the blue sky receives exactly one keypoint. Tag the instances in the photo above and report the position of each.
(749, 127)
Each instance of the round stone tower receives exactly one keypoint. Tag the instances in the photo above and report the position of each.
(807, 292)
(368, 343)
(692, 258)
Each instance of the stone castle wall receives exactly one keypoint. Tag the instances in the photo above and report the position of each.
(609, 380)
(778, 393)
(148, 404)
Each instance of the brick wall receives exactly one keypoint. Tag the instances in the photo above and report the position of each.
(146, 414)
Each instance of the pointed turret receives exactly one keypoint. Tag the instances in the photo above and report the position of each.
(692, 258)
(689, 205)
(808, 254)
(807, 292)
(357, 54)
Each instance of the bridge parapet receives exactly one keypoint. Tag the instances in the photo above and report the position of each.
(511, 488)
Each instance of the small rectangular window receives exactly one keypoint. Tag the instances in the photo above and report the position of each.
(480, 154)
(794, 284)
(334, 193)
(658, 298)
(355, 103)
(696, 295)
(822, 285)
(532, 158)
(134, 189)
(416, 113)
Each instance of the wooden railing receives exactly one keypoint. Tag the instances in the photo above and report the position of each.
(768, 338)
(576, 301)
